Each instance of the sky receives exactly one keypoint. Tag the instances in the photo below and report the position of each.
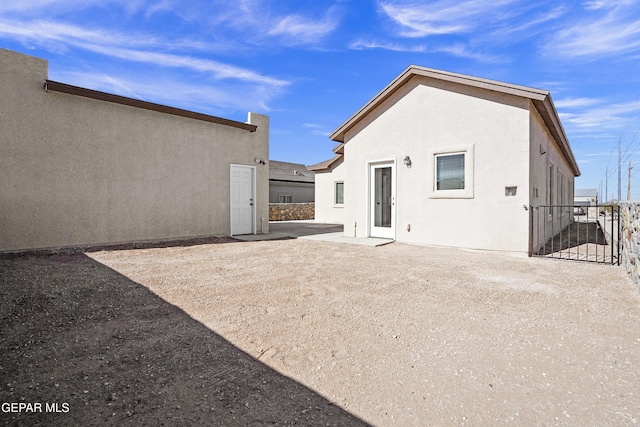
(309, 65)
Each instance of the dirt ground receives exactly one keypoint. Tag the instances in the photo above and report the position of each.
(408, 335)
(82, 345)
(393, 336)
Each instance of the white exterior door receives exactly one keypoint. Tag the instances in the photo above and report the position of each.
(242, 199)
(382, 200)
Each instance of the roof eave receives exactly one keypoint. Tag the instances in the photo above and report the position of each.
(326, 165)
(413, 71)
(549, 115)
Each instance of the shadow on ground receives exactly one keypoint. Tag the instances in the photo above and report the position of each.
(76, 332)
(572, 236)
(302, 228)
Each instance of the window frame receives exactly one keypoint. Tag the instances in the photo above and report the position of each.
(335, 194)
(439, 157)
(280, 196)
(551, 190)
(464, 193)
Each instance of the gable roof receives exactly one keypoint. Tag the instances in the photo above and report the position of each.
(541, 99)
(292, 172)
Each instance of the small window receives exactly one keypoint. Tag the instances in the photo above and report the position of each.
(451, 169)
(551, 187)
(285, 198)
(339, 196)
(450, 172)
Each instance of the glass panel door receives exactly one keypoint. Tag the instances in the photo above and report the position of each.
(382, 201)
(382, 187)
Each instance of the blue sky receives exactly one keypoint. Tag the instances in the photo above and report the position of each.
(310, 65)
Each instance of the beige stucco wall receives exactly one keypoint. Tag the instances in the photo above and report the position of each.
(77, 171)
(326, 210)
(544, 151)
(427, 116)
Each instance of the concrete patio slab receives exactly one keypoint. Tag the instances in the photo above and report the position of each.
(339, 237)
(281, 230)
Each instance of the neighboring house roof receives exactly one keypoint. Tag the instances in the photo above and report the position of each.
(541, 99)
(290, 172)
(53, 86)
(585, 192)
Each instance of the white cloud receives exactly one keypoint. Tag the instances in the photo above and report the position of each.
(316, 129)
(216, 69)
(462, 50)
(50, 8)
(512, 31)
(365, 44)
(126, 47)
(301, 30)
(602, 4)
(457, 49)
(440, 17)
(607, 30)
(576, 102)
(201, 96)
(611, 116)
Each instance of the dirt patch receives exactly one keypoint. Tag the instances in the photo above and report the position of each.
(408, 335)
(84, 345)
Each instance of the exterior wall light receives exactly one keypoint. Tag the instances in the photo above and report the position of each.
(261, 162)
(407, 161)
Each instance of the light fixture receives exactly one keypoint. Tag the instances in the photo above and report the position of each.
(261, 162)
(407, 161)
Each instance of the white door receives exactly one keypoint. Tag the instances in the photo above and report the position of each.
(242, 199)
(382, 196)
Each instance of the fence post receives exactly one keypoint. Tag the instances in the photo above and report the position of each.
(530, 230)
(619, 234)
(612, 217)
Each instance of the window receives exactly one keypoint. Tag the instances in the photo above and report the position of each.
(562, 182)
(453, 172)
(285, 198)
(450, 172)
(551, 187)
(339, 194)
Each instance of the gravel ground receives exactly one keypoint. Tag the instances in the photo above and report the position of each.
(407, 335)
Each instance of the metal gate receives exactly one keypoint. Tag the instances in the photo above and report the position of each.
(580, 233)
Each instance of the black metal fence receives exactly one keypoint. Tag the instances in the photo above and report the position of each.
(580, 233)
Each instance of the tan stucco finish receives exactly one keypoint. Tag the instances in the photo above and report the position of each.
(77, 171)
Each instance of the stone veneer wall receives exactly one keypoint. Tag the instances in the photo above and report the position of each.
(630, 238)
(291, 211)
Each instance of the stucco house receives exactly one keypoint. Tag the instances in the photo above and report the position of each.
(290, 183)
(585, 197)
(80, 167)
(447, 159)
